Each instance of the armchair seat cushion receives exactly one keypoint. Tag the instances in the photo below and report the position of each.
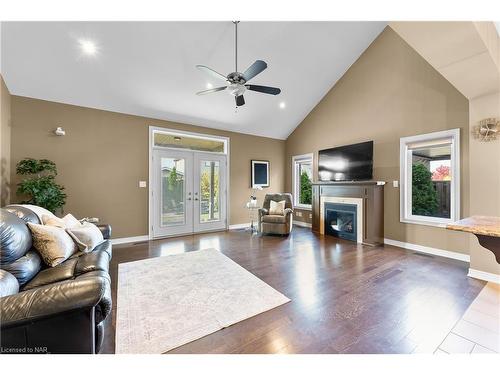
(274, 219)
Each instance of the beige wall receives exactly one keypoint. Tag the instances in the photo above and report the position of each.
(5, 143)
(105, 154)
(388, 93)
(484, 178)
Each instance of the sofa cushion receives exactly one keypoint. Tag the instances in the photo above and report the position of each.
(106, 247)
(53, 243)
(61, 272)
(274, 219)
(26, 267)
(37, 210)
(15, 237)
(94, 261)
(27, 215)
(78, 265)
(8, 284)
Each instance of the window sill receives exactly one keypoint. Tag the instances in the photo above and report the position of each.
(427, 223)
(304, 208)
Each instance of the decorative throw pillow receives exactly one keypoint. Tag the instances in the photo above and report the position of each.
(87, 236)
(68, 221)
(53, 243)
(277, 208)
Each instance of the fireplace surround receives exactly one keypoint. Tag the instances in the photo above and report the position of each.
(366, 197)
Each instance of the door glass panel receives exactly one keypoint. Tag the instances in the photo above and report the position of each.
(172, 188)
(209, 191)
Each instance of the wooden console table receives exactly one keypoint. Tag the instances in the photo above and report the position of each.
(486, 229)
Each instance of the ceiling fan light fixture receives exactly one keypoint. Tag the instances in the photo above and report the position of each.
(236, 81)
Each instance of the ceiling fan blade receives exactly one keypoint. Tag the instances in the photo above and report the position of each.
(211, 72)
(240, 100)
(254, 69)
(211, 90)
(264, 89)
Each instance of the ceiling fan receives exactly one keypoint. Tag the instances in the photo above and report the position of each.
(236, 82)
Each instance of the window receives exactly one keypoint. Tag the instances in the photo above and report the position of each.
(302, 180)
(430, 178)
(171, 139)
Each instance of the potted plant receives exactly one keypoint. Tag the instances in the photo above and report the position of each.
(40, 186)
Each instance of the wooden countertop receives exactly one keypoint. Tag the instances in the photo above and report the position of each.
(481, 225)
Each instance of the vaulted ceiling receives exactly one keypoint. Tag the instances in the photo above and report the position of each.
(148, 68)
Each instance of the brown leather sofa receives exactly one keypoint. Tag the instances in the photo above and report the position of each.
(45, 309)
(276, 224)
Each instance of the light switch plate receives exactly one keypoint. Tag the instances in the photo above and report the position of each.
(395, 183)
(142, 184)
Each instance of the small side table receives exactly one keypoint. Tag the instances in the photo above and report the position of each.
(253, 212)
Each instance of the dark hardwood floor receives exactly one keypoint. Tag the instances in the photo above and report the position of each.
(346, 298)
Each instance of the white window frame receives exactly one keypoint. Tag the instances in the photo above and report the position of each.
(296, 160)
(405, 163)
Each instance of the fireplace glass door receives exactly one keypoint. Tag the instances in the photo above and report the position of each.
(341, 220)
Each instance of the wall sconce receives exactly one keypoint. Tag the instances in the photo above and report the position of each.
(59, 131)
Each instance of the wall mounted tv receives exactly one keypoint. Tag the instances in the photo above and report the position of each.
(346, 163)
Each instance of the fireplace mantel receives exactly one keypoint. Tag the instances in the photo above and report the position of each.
(350, 183)
(372, 195)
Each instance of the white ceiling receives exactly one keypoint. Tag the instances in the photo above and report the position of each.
(148, 68)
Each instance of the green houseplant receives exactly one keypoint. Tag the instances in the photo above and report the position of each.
(40, 186)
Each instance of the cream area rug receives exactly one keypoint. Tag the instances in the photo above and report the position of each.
(169, 301)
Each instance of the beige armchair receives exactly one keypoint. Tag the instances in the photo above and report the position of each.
(276, 224)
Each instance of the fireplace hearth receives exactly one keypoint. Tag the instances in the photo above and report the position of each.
(341, 220)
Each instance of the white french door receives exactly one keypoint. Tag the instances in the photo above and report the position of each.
(189, 192)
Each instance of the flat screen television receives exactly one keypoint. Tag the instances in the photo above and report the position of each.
(347, 163)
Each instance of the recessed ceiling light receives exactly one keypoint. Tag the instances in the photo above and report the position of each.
(282, 105)
(88, 47)
(209, 85)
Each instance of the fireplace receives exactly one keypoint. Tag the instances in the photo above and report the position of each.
(368, 199)
(341, 220)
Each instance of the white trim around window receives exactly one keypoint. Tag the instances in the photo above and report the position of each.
(407, 145)
(296, 161)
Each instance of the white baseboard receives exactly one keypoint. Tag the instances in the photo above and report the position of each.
(118, 241)
(302, 224)
(428, 250)
(486, 276)
(240, 226)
